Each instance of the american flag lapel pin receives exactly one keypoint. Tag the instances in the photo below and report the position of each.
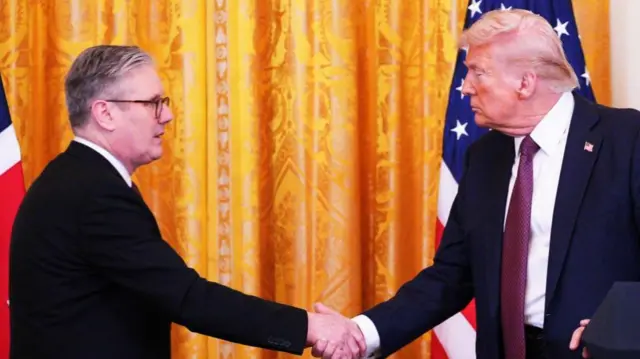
(588, 146)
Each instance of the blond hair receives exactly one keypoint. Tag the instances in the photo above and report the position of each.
(540, 49)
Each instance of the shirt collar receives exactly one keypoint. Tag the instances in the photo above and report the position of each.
(114, 161)
(553, 126)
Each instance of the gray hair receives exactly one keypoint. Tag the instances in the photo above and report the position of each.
(96, 73)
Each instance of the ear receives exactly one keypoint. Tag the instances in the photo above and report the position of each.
(101, 114)
(527, 85)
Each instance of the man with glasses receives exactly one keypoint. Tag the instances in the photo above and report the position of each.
(90, 275)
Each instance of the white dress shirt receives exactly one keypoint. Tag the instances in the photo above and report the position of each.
(114, 161)
(551, 135)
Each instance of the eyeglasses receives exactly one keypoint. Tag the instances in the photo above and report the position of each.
(158, 103)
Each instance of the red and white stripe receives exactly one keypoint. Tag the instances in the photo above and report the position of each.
(11, 193)
(456, 337)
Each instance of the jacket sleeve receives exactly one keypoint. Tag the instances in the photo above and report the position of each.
(123, 243)
(434, 295)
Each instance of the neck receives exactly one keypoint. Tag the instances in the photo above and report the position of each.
(531, 112)
(102, 141)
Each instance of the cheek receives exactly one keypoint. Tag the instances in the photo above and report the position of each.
(493, 97)
(484, 97)
(144, 130)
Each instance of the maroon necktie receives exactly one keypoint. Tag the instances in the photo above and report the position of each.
(515, 250)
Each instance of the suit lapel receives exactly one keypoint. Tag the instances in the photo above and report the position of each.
(499, 172)
(576, 170)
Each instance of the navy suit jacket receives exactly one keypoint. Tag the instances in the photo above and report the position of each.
(594, 238)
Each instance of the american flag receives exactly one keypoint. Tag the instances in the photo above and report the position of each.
(11, 193)
(455, 338)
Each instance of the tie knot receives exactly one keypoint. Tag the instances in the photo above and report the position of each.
(528, 147)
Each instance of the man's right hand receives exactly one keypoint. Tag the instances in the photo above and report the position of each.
(334, 336)
(577, 336)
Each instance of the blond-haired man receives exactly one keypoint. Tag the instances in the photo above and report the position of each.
(547, 215)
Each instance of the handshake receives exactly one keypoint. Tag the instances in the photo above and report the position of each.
(334, 336)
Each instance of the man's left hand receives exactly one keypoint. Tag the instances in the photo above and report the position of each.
(577, 336)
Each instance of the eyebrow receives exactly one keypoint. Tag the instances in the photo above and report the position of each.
(472, 66)
(156, 97)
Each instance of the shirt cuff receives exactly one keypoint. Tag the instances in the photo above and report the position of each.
(370, 333)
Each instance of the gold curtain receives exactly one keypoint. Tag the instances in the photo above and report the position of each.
(303, 162)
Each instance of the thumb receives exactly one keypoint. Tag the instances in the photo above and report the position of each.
(584, 322)
(323, 309)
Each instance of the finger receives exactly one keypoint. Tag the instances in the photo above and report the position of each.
(575, 338)
(329, 350)
(319, 348)
(340, 354)
(343, 353)
(585, 353)
(321, 308)
(353, 346)
(359, 338)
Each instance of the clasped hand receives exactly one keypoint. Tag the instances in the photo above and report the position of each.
(334, 336)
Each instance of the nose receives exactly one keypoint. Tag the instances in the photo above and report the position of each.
(467, 86)
(167, 115)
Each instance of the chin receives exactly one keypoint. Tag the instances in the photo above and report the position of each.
(480, 121)
(156, 151)
(156, 155)
(152, 156)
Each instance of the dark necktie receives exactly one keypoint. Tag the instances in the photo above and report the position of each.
(515, 251)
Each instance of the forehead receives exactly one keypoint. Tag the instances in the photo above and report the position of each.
(479, 56)
(143, 82)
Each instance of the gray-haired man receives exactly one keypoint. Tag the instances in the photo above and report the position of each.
(90, 275)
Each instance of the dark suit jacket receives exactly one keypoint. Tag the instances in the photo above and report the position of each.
(91, 277)
(594, 237)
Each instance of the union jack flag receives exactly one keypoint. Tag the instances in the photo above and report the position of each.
(11, 193)
(455, 338)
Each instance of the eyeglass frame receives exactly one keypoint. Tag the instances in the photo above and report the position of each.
(159, 103)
